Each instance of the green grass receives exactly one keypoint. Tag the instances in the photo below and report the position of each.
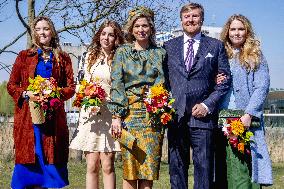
(77, 176)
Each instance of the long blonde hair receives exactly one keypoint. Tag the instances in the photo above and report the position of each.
(95, 50)
(54, 42)
(250, 53)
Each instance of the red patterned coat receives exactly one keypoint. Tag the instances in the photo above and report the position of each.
(55, 132)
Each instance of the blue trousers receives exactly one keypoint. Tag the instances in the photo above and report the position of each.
(181, 137)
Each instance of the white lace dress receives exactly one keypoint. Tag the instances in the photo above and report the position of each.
(93, 132)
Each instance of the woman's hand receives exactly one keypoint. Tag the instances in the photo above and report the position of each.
(95, 110)
(246, 120)
(220, 78)
(31, 96)
(116, 127)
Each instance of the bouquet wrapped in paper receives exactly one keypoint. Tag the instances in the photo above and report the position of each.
(48, 93)
(158, 104)
(239, 137)
(90, 95)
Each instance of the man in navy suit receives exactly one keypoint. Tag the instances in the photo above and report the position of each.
(193, 62)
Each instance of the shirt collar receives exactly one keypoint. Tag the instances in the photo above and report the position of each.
(196, 38)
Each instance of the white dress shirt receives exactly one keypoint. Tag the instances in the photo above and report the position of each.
(196, 43)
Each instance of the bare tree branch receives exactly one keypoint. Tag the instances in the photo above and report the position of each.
(45, 9)
(5, 67)
(80, 18)
(13, 42)
(3, 4)
(13, 52)
(20, 16)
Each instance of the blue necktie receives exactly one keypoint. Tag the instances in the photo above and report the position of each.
(189, 55)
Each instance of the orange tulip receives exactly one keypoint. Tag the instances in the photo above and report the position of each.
(241, 147)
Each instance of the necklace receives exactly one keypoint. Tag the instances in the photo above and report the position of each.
(45, 56)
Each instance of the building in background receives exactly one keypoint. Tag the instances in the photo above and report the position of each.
(274, 103)
(76, 54)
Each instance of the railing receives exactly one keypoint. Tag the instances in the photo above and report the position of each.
(274, 120)
(274, 136)
(270, 120)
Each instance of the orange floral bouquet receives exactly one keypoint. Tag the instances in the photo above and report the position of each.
(48, 94)
(158, 104)
(237, 134)
(90, 95)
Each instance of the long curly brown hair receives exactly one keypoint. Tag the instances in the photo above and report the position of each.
(250, 52)
(54, 43)
(95, 50)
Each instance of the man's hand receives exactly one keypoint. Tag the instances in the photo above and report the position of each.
(199, 111)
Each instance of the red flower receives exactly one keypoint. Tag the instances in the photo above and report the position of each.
(148, 108)
(44, 106)
(165, 118)
(55, 103)
(101, 93)
(248, 151)
(233, 141)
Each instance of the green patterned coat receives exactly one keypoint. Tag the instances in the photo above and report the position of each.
(133, 72)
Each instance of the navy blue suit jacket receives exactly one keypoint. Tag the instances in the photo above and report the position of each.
(198, 85)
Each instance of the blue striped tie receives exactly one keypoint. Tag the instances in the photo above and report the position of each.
(189, 55)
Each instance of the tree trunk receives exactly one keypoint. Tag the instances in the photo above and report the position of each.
(31, 17)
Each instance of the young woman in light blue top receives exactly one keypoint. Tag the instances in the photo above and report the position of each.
(250, 87)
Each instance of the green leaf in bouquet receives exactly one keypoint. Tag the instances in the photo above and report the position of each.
(93, 101)
(171, 101)
(30, 88)
(31, 81)
(52, 94)
(248, 135)
(37, 105)
(85, 101)
(99, 102)
(172, 110)
(85, 105)
(57, 94)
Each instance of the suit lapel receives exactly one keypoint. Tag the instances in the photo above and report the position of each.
(180, 54)
(203, 46)
(180, 50)
(200, 55)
